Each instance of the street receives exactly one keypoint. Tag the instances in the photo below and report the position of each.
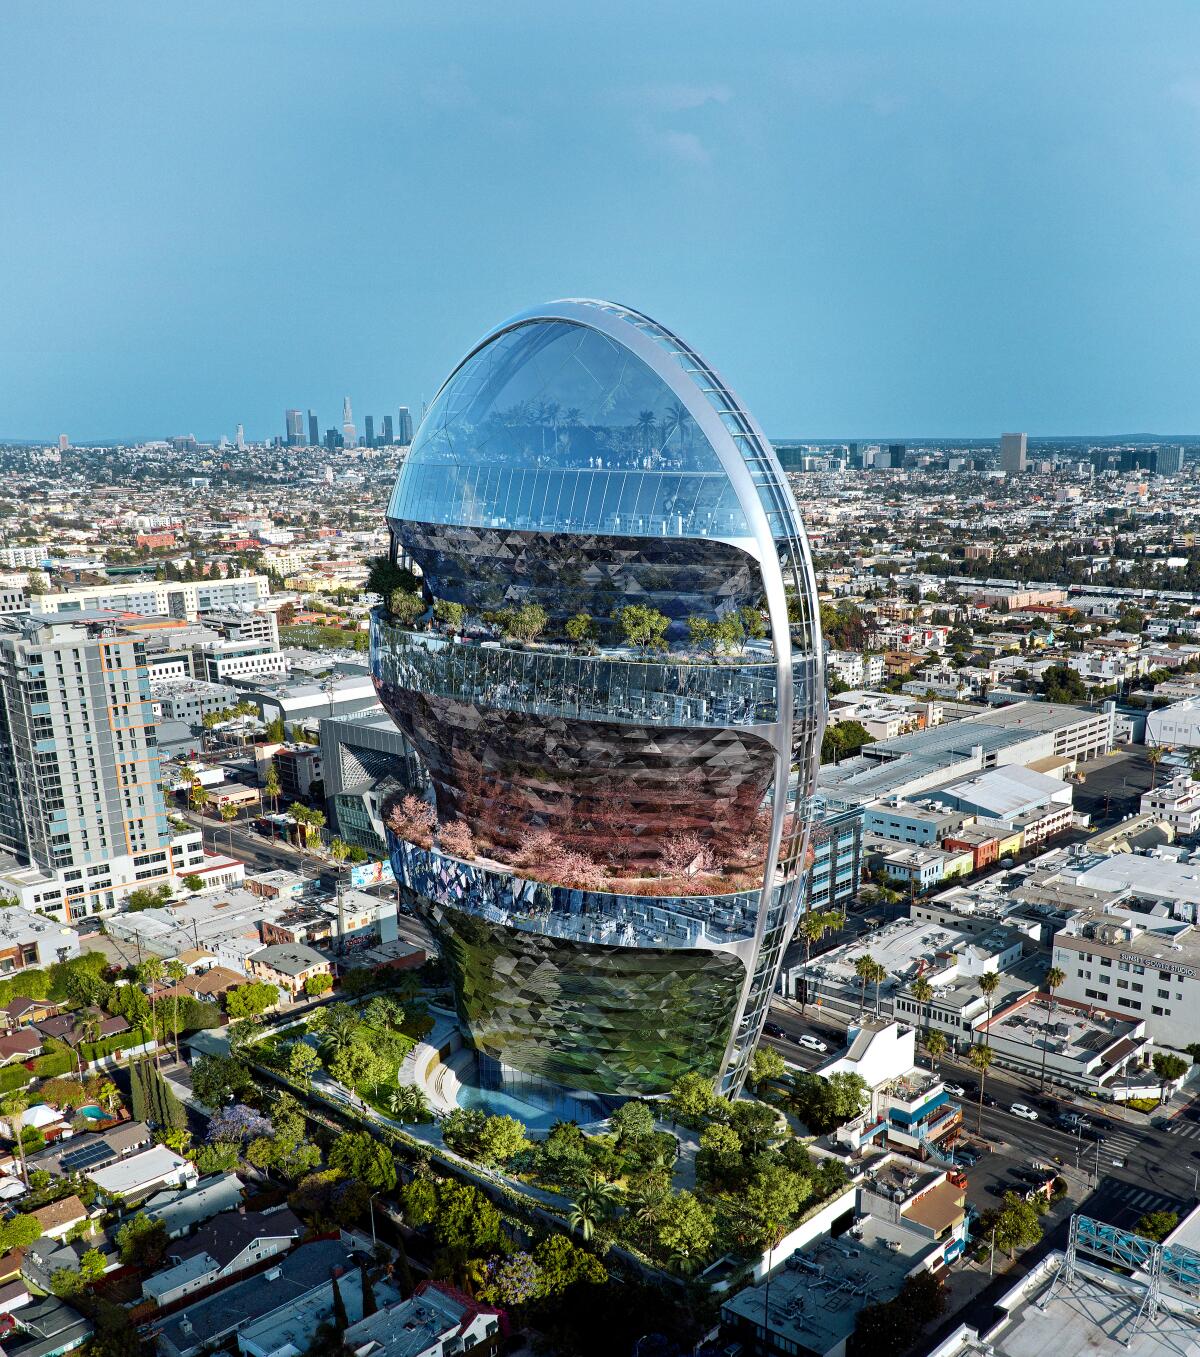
(263, 855)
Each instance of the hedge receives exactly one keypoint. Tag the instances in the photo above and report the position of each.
(13, 1077)
(97, 1050)
(57, 1062)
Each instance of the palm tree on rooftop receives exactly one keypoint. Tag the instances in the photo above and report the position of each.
(922, 992)
(1055, 977)
(989, 983)
(864, 968)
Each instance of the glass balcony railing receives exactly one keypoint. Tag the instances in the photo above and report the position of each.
(606, 687)
(605, 918)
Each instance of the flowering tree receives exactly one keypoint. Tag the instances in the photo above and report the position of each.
(457, 840)
(511, 1281)
(238, 1124)
(687, 855)
(412, 819)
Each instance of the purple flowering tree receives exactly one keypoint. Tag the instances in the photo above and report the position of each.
(237, 1125)
(512, 1281)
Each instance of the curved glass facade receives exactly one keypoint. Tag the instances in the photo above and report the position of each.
(617, 823)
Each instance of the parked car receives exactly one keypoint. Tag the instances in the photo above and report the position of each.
(1024, 1112)
(811, 1043)
(955, 1090)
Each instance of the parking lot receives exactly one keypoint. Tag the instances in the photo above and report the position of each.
(1113, 785)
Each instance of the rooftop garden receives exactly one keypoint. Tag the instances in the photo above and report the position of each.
(687, 865)
(635, 627)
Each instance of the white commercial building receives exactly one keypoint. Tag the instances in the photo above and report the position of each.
(1178, 724)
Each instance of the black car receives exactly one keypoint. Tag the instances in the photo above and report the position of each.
(772, 1029)
(989, 1101)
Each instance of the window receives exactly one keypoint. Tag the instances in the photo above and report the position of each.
(1164, 993)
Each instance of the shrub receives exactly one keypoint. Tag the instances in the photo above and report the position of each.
(55, 1062)
(13, 1077)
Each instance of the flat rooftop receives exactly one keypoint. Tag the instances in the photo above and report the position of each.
(817, 1306)
(1094, 1317)
(1071, 1033)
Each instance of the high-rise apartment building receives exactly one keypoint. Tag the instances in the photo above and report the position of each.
(1012, 452)
(404, 427)
(1168, 461)
(294, 421)
(349, 433)
(369, 430)
(81, 811)
(387, 437)
(622, 815)
(314, 430)
(158, 598)
(240, 438)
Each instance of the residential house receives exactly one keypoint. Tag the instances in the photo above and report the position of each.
(182, 1209)
(134, 1178)
(290, 1283)
(60, 1217)
(23, 1012)
(46, 1328)
(225, 1246)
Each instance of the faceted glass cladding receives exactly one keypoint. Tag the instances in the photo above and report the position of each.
(599, 1018)
(616, 864)
(555, 426)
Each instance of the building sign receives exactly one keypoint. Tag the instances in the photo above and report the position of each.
(1153, 963)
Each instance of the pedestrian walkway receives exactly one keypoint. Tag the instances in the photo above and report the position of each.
(1138, 1198)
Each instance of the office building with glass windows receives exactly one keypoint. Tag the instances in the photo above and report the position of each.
(606, 659)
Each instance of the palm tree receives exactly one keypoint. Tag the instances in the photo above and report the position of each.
(229, 814)
(592, 1204)
(981, 1057)
(935, 1044)
(15, 1107)
(177, 971)
(877, 976)
(1055, 977)
(922, 992)
(864, 968)
(271, 787)
(645, 423)
(149, 973)
(989, 983)
(814, 924)
(1154, 756)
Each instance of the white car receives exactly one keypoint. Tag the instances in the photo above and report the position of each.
(1020, 1110)
(812, 1043)
(955, 1090)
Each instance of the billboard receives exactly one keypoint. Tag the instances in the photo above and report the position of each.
(363, 874)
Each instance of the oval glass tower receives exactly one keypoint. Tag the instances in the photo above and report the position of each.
(607, 659)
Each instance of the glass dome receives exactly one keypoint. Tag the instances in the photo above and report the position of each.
(555, 426)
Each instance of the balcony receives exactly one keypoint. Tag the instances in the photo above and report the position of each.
(671, 689)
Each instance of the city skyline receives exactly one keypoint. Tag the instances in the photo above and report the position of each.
(927, 220)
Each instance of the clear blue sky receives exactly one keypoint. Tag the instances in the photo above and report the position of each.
(894, 217)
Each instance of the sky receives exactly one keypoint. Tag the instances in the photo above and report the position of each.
(878, 218)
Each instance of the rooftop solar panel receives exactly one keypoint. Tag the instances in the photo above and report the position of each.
(86, 1157)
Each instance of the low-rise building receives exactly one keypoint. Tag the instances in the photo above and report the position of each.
(297, 1277)
(1175, 803)
(288, 965)
(435, 1321)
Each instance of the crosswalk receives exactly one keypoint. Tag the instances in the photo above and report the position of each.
(1118, 1145)
(1140, 1198)
(1186, 1130)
